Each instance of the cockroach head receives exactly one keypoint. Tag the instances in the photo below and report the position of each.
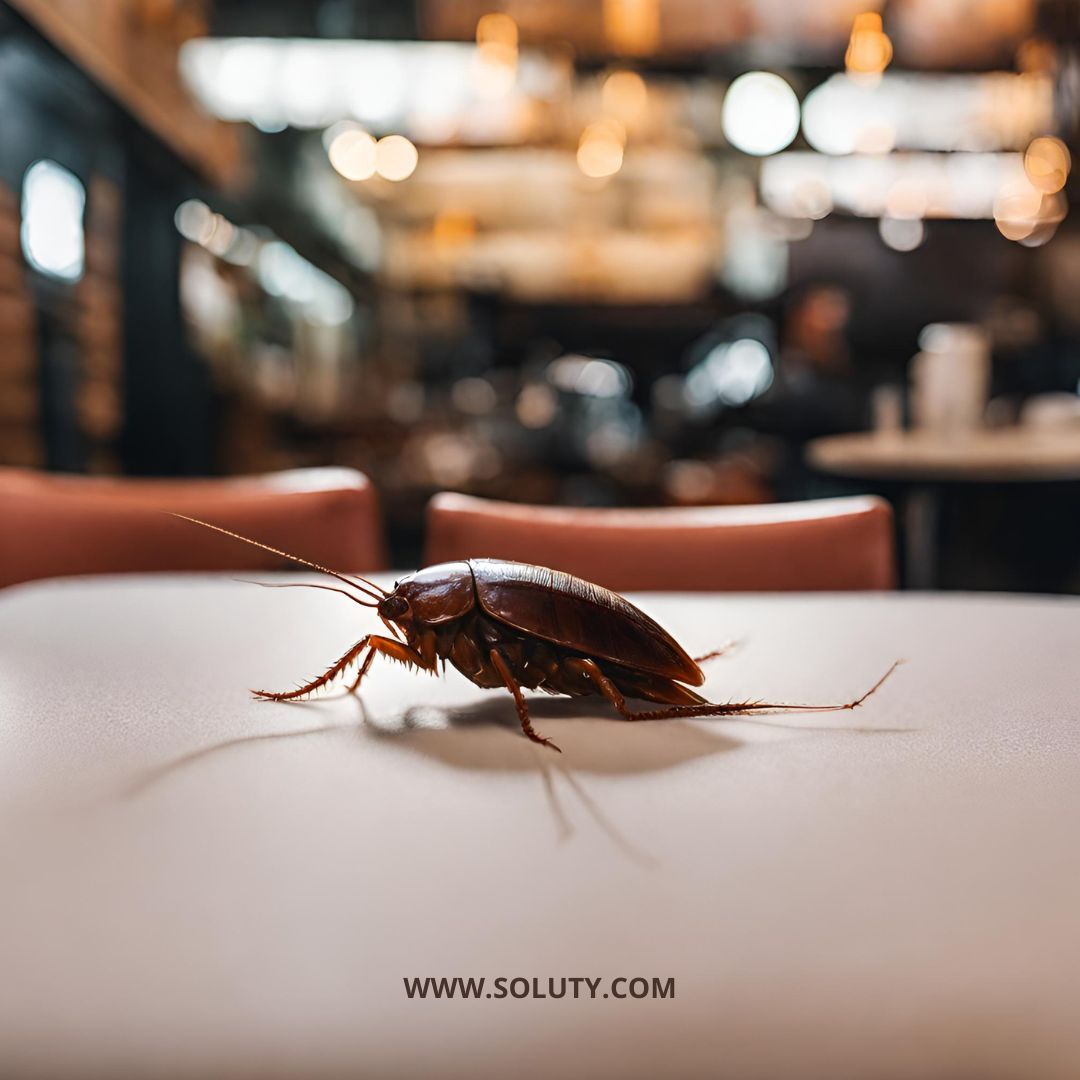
(393, 607)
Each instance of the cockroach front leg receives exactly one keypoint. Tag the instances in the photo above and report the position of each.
(396, 650)
(355, 684)
(503, 669)
(327, 676)
(591, 670)
(423, 659)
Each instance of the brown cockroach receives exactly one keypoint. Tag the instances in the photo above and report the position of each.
(511, 625)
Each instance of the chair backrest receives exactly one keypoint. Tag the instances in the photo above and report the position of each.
(829, 544)
(54, 525)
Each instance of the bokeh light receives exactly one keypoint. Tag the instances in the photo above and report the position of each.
(760, 114)
(733, 373)
(589, 376)
(194, 221)
(869, 50)
(632, 27)
(353, 154)
(1047, 162)
(395, 157)
(841, 117)
(494, 69)
(1016, 210)
(1024, 213)
(900, 233)
(497, 28)
(600, 150)
(536, 406)
(624, 95)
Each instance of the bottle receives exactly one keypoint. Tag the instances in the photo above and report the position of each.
(951, 379)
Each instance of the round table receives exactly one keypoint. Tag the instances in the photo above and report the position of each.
(196, 883)
(925, 460)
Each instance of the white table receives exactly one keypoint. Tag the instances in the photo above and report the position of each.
(194, 883)
(925, 460)
(997, 455)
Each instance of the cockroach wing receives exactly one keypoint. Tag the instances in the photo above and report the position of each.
(578, 615)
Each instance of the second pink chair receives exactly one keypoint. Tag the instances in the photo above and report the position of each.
(831, 544)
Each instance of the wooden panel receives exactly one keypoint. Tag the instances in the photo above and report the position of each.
(20, 398)
(130, 48)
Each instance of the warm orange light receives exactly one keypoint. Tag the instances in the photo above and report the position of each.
(1023, 213)
(1047, 162)
(497, 29)
(632, 27)
(450, 229)
(395, 157)
(600, 149)
(624, 95)
(869, 50)
(495, 69)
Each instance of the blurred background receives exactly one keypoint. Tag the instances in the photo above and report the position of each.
(577, 252)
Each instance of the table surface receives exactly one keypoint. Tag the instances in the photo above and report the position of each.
(195, 883)
(1019, 454)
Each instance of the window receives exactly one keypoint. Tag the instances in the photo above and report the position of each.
(53, 200)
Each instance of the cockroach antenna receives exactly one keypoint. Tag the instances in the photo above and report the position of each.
(304, 585)
(375, 592)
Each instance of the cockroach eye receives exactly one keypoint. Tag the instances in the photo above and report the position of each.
(393, 607)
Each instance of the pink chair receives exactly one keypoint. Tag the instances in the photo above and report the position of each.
(55, 525)
(831, 544)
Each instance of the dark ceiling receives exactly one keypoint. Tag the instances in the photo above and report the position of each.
(372, 19)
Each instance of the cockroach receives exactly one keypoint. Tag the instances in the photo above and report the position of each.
(514, 626)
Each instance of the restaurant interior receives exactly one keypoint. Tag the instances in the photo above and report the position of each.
(666, 255)
(707, 362)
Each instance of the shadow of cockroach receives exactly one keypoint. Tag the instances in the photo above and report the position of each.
(461, 737)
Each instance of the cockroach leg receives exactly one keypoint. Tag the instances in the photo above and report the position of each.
(746, 707)
(355, 685)
(724, 649)
(592, 671)
(503, 669)
(404, 654)
(327, 676)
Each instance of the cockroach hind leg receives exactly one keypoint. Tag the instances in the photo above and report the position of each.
(873, 689)
(724, 650)
(746, 707)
